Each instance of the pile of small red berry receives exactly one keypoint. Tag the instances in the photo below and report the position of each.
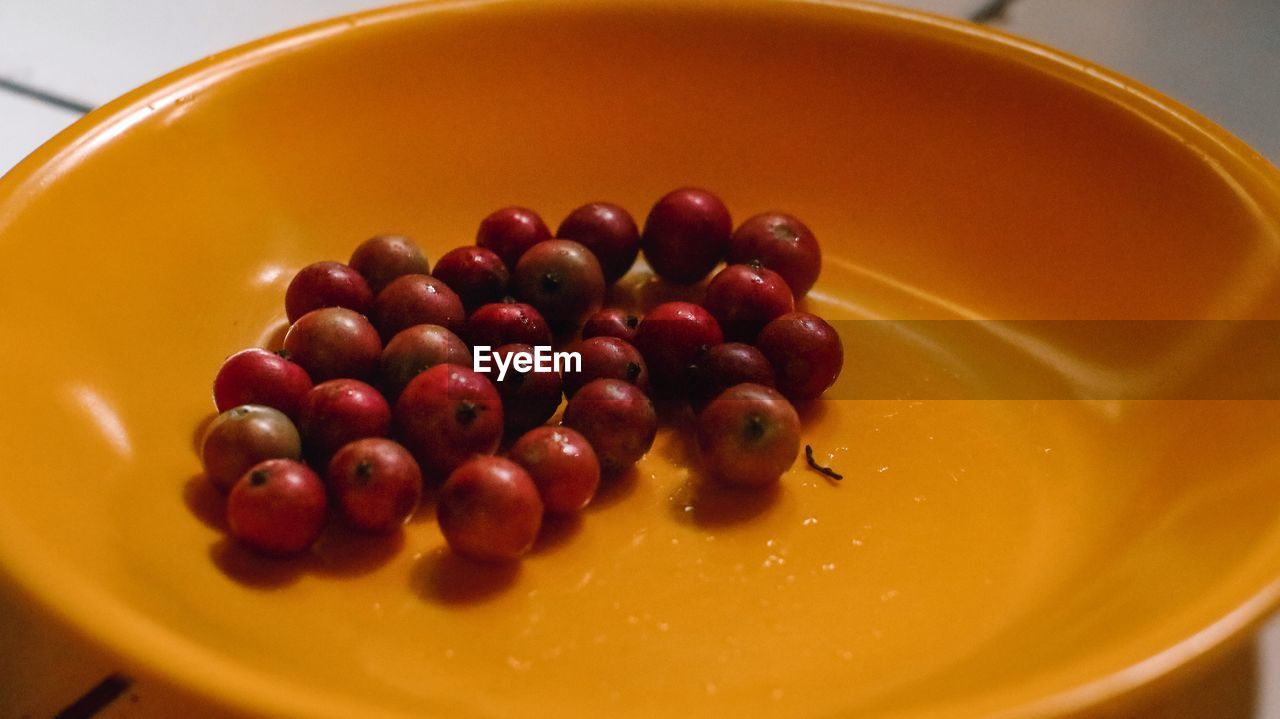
(383, 339)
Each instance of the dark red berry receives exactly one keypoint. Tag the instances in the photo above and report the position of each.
(562, 464)
(805, 351)
(612, 322)
(383, 258)
(529, 396)
(686, 235)
(671, 337)
(256, 376)
(326, 284)
(477, 275)
(489, 510)
(334, 342)
(338, 412)
(749, 436)
(562, 279)
(616, 418)
(278, 507)
(243, 436)
(609, 232)
(607, 358)
(504, 323)
(724, 366)
(417, 300)
(447, 415)
(510, 231)
(375, 484)
(743, 299)
(415, 350)
(783, 244)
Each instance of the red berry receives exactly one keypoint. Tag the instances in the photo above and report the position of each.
(417, 300)
(609, 232)
(489, 510)
(334, 342)
(671, 337)
(783, 244)
(375, 484)
(326, 284)
(338, 412)
(529, 397)
(607, 358)
(562, 464)
(277, 507)
(504, 323)
(244, 436)
(383, 258)
(749, 436)
(743, 299)
(415, 350)
(477, 275)
(446, 415)
(612, 322)
(686, 235)
(805, 351)
(510, 231)
(256, 376)
(562, 279)
(724, 366)
(616, 418)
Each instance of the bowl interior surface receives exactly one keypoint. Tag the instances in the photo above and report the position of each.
(981, 555)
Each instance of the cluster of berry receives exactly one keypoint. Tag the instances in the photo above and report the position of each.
(383, 339)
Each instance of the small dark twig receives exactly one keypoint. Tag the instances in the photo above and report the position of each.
(825, 471)
(97, 698)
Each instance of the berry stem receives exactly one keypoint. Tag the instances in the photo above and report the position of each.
(824, 471)
(466, 412)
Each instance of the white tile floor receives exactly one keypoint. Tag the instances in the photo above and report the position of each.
(1221, 57)
(91, 51)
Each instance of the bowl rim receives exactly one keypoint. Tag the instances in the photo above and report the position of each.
(120, 631)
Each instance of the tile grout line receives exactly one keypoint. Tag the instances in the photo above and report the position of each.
(991, 11)
(48, 98)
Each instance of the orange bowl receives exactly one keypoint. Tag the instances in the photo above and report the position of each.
(983, 555)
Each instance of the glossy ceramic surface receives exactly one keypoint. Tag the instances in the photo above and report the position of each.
(1014, 557)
